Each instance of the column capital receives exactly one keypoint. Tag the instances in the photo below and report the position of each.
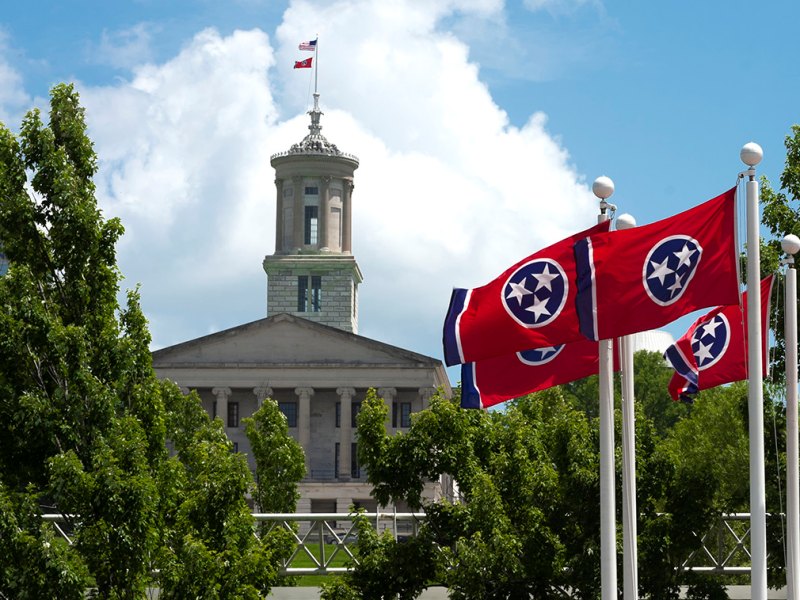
(425, 394)
(221, 391)
(304, 391)
(345, 393)
(261, 393)
(387, 393)
(278, 182)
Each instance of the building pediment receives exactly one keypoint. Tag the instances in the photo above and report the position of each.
(286, 340)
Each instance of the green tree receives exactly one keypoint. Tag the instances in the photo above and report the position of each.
(781, 216)
(74, 379)
(528, 523)
(280, 461)
(84, 422)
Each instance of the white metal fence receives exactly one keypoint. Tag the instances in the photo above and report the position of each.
(326, 540)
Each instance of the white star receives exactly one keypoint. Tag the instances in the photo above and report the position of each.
(675, 286)
(660, 270)
(703, 353)
(538, 308)
(684, 256)
(518, 290)
(544, 278)
(545, 352)
(710, 328)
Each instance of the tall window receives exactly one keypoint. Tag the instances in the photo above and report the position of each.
(336, 461)
(316, 293)
(355, 469)
(312, 221)
(302, 293)
(401, 414)
(309, 302)
(233, 414)
(289, 410)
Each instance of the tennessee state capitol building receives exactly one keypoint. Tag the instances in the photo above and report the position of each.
(307, 354)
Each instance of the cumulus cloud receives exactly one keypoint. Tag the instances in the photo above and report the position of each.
(124, 48)
(448, 192)
(14, 100)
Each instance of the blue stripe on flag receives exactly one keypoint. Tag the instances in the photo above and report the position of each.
(470, 395)
(584, 300)
(450, 341)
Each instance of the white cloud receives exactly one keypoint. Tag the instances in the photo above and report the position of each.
(14, 100)
(561, 7)
(124, 48)
(448, 193)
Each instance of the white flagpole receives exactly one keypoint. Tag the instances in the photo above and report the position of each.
(316, 62)
(630, 559)
(603, 188)
(751, 154)
(791, 245)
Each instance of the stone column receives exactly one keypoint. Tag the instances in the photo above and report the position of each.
(388, 395)
(345, 431)
(299, 214)
(279, 217)
(304, 419)
(261, 393)
(425, 394)
(222, 394)
(324, 212)
(347, 212)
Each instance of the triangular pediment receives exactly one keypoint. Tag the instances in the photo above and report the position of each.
(286, 340)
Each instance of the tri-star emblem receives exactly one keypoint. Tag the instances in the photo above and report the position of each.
(669, 267)
(535, 293)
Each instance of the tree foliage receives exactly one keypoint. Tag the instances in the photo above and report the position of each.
(527, 523)
(84, 423)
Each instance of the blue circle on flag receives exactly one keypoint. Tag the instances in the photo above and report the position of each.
(710, 341)
(669, 267)
(539, 356)
(535, 293)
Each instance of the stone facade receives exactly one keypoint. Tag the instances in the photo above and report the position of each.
(319, 375)
(306, 355)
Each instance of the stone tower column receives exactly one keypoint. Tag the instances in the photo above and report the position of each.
(324, 212)
(298, 215)
(388, 395)
(347, 216)
(222, 394)
(279, 216)
(304, 419)
(345, 431)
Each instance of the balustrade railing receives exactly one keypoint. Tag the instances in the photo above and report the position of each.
(325, 540)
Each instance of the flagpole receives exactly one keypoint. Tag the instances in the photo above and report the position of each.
(791, 245)
(751, 154)
(630, 575)
(316, 63)
(603, 188)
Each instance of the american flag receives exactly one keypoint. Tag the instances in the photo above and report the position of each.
(310, 46)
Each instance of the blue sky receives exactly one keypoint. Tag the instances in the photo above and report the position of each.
(480, 125)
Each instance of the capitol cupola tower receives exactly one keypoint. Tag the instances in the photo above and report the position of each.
(313, 273)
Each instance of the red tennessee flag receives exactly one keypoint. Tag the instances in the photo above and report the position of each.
(494, 380)
(531, 305)
(642, 278)
(303, 64)
(713, 350)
